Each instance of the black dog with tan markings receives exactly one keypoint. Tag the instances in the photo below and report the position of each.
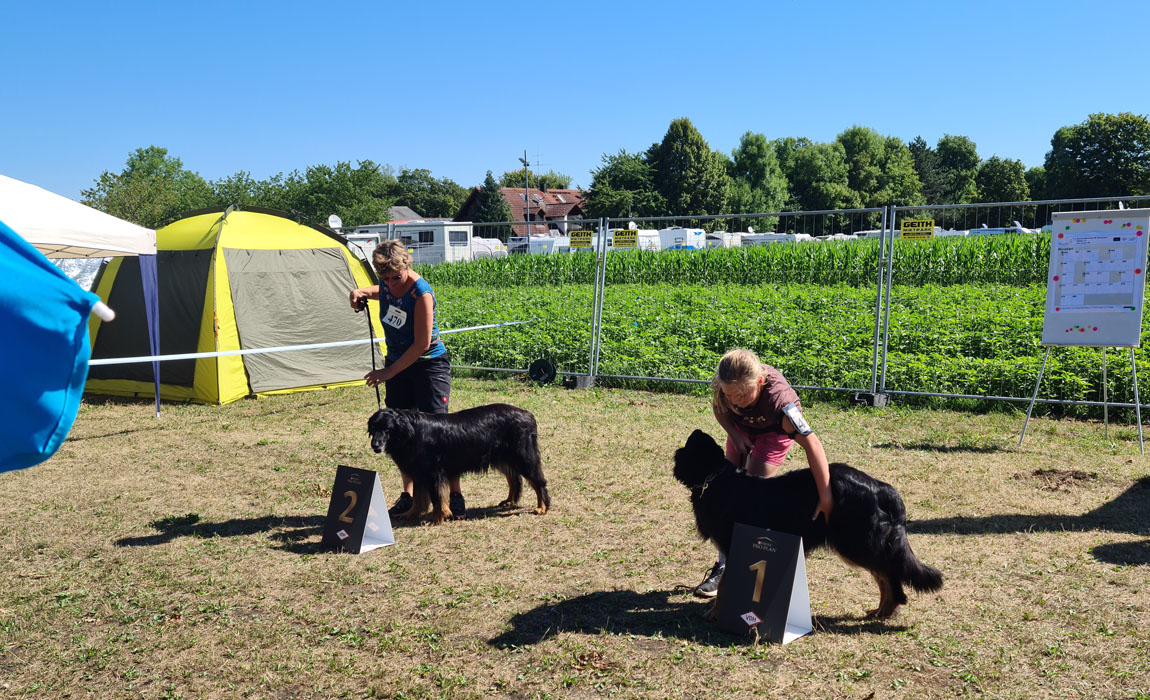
(432, 448)
(867, 527)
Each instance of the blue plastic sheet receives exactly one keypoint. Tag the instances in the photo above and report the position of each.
(44, 352)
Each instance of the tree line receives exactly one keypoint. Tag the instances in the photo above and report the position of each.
(1106, 155)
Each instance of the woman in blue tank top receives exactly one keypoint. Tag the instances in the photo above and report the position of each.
(416, 372)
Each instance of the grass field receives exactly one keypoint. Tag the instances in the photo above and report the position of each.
(181, 558)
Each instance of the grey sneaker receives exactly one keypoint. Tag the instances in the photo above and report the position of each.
(709, 588)
(457, 506)
(402, 504)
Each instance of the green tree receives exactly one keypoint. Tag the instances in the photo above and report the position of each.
(359, 195)
(242, 188)
(1002, 180)
(926, 168)
(152, 189)
(691, 177)
(899, 180)
(549, 180)
(429, 197)
(957, 167)
(880, 170)
(1036, 183)
(1106, 155)
(491, 207)
(623, 187)
(756, 176)
(820, 178)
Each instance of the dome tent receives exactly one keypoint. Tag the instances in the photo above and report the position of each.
(236, 279)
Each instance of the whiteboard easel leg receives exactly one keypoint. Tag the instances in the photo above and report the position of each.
(1105, 406)
(1034, 397)
(1137, 403)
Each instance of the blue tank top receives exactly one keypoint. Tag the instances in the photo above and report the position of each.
(398, 318)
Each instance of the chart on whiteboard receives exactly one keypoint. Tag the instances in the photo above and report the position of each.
(1097, 277)
(1097, 272)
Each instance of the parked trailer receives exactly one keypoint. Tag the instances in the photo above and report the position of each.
(679, 238)
(538, 245)
(769, 238)
(427, 241)
(487, 248)
(724, 239)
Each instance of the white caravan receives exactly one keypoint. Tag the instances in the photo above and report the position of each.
(679, 238)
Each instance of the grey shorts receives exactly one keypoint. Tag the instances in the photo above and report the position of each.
(426, 385)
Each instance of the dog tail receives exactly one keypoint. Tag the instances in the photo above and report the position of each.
(921, 577)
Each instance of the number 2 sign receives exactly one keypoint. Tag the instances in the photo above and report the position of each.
(765, 586)
(357, 515)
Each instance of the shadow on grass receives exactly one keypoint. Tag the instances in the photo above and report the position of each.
(657, 614)
(1129, 513)
(931, 447)
(290, 531)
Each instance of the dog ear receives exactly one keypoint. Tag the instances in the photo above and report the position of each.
(700, 444)
(376, 421)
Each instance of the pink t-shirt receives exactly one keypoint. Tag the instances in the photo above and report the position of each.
(766, 414)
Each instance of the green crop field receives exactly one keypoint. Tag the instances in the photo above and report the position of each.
(965, 316)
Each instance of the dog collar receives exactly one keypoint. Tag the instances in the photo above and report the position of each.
(707, 482)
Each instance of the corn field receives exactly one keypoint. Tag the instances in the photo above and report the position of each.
(1005, 259)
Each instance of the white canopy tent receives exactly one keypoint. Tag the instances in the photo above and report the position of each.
(62, 228)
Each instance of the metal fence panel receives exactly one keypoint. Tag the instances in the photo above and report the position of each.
(966, 310)
(800, 289)
(510, 277)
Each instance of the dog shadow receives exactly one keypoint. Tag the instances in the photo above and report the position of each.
(294, 533)
(656, 614)
(1127, 513)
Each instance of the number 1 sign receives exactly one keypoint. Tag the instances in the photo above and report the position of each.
(765, 586)
(357, 515)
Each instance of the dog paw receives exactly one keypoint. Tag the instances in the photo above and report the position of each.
(508, 504)
(541, 510)
(880, 614)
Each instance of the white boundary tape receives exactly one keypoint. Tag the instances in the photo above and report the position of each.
(282, 348)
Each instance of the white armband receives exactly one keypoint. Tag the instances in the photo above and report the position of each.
(791, 411)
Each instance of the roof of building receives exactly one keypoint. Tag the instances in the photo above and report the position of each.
(544, 205)
(402, 214)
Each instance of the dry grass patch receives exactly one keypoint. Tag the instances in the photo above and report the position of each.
(180, 558)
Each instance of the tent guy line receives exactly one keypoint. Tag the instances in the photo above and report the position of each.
(282, 348)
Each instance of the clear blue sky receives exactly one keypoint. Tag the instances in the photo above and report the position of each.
(462, 88)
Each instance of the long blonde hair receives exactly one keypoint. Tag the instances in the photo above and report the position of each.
(738, 367)
(391, 256)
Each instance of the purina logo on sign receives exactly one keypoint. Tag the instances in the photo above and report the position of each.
(917, 229)
(764, 586)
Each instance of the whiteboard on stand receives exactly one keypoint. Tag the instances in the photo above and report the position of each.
(1096, 278)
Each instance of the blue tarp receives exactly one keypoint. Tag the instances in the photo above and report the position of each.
(44, 352)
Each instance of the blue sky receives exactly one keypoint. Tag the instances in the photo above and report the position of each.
(462, 88)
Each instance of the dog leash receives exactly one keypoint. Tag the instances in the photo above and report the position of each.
(362, 304)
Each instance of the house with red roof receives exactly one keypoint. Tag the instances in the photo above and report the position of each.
(549, 210)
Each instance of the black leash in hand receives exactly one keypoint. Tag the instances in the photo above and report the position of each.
(361, 305)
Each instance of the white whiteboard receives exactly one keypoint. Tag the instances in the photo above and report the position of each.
(1096, 278)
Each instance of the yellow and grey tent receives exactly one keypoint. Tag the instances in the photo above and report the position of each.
(236, 279)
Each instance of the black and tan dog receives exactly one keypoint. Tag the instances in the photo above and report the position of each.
(867, 527)
(432, 448)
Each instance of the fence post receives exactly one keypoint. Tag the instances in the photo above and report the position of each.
(886, 309)
(875, 397)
